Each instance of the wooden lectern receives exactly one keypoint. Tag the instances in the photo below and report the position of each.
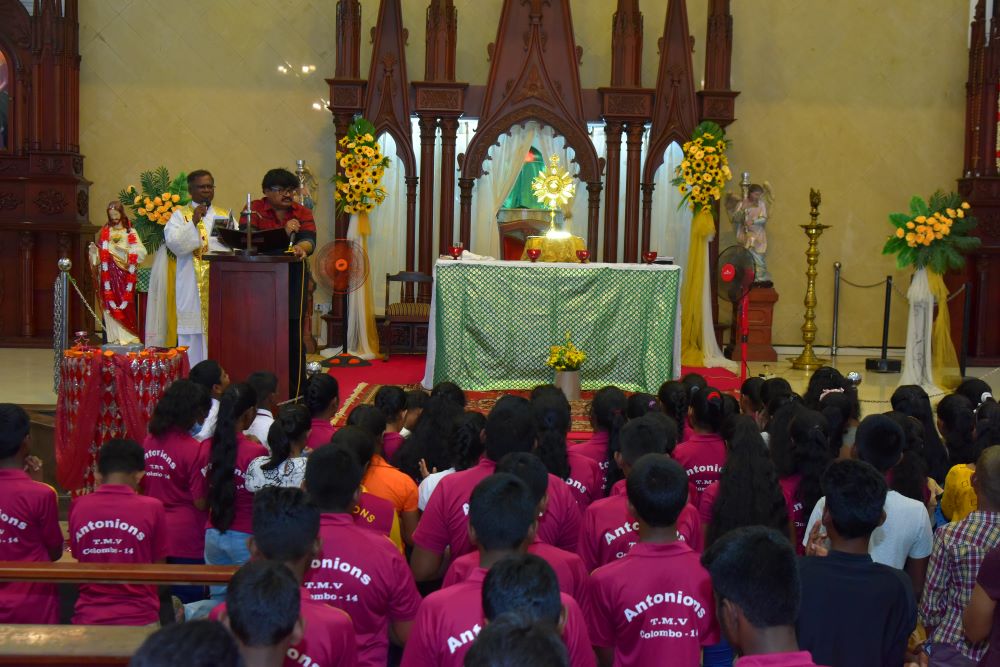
(248, 314)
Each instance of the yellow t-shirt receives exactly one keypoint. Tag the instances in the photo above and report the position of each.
(959, 499)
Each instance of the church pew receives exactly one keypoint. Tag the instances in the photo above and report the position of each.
(117, 573)
(70, 644)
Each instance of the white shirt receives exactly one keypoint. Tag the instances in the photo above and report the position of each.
(208, 426)
(260, 426)
(428, 485)
(289, 474)
(906, 532)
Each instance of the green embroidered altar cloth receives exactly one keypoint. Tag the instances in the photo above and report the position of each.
(492, 323)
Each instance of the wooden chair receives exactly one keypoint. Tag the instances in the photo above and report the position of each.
(514, 231)
(410, 313)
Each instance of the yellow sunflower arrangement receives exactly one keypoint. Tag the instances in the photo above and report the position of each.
(152, 206)
(703, 172)
(566, 357)
(361, 164)
(933, 234)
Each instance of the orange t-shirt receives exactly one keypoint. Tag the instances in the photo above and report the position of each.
(386, 481)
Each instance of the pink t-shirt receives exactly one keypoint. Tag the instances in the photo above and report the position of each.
(574, 579)
(391, 442)
(327, 635)
(656, 601)
(29, 530)
(585, 479)
(246, 451)
(707, 502)
(595, 449)
(450, 619)
(321, 432)
(175, 475)
(364, 574)
(702, 457)
(445, 521)
(116, 525)
(608, 531)
(796, 659)
(789, 487)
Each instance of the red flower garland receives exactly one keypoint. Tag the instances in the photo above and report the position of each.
(117, 310)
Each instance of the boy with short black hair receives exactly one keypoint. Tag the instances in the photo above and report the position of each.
(29, 522)
(114, 524)
(514, 640)
(523, 584)
(570, 571)
(607, 529)
(190, 644)
(262, 611)
(357, 570)
(286, 530)
(839, 631)
(510, 427)
(265, 386)
(502, 520)
(904, 539)
(657, 599)
(757, 596)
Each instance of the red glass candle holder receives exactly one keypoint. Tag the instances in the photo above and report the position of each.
(649, 256)
(455, 250)
(583, 256)
(533, 253)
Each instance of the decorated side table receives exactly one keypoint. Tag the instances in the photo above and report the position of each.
(104, 395)
(492, 323)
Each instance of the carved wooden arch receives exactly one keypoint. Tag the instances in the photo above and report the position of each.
(15, 43)
(534, 75)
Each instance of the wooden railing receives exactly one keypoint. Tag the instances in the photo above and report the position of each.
(116, 573)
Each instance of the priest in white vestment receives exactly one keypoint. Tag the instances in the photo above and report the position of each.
(177, 309)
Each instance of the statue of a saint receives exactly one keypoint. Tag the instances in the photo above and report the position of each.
(749, 217)
(115, 259)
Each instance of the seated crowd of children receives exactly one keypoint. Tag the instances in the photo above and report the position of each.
(688, 528)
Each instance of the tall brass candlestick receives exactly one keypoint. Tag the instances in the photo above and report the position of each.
(808, 361)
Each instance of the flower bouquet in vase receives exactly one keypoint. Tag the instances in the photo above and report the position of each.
(566, 359)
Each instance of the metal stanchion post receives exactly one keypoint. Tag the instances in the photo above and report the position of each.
(883, 364)
(836, 307)
(966, 315)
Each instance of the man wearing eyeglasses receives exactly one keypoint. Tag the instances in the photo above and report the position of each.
(278, 209)
(177, 310)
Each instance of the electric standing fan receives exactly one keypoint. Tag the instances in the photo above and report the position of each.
(342, 267)
(735, 280)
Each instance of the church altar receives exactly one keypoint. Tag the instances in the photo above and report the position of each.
(105, 395)
(492, 323)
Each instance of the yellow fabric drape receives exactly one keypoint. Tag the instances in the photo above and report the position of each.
(370, 333)
(944, 360)
(692, 335)
(170, 338)
(201, 268)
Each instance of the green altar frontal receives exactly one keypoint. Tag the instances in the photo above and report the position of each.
(492, 323)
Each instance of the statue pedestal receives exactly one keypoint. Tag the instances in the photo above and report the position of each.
(760, 314)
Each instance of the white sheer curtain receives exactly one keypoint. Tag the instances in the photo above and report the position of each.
(671, 226)
(548, 144)
(500, 173)
(387, 243)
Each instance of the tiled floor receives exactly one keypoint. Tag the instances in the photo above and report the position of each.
(26, 376)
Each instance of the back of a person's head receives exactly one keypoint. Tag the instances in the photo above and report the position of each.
(912, 400)
(879, 441)
(358, 440)
(673, 397)
(523, 584)
(207, 373)
(291, 425)
(465, 442)
(750, 392)
(191, 644)
(646, 435)
(608, 407)
(265, 385)
(694, 382)
(552, 419)
(823, 379)
(754, 569)
(529, 469)
(320, 391)
(501, 512)
(121, 455)
(988, 424)
(237, 400)
(510, 427)
(333, 476)
(639, 404)
(958, 420)
(657, 490)
(390, 401)
(773, 388)
(182, 404)
(262, 603)
(285, 523)
(450, 392)
(14, 428)
(988, 478)
(708, 409)
(368, 418)
(855, 496)
(416, 399)
(976, 390)
(513, 640)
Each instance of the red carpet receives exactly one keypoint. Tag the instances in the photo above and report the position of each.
(358, 385)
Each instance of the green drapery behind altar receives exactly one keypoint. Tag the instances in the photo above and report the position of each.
(494, 322)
